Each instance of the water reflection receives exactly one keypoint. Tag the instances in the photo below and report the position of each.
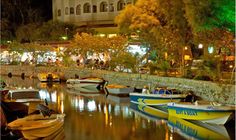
(197, 130)
(92, 116)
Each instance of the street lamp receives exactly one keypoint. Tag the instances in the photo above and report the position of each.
(66, 36)
(201, 51)
(66, 30)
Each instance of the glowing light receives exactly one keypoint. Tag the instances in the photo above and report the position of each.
(62, 107)
(81, 104)
(111, 35)
(44, 94)
(91, 105)
(210, 49)
(117, 110)
(200, 46)
(136, 49)
(102, 35)
(230, 66)
(185, 48)
(64, 37)
(54, 96)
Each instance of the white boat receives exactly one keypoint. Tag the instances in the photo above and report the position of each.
(119, 100)
(208, 112)
(88, 83)
(119, 89)
(87, 94)
(48, 77)
(23, 95)
(37, 126)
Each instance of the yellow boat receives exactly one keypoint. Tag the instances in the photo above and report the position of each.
(37, 126)
(202, 111)
(48, 77)
(119, 90)
(149, 112)
(197, 130)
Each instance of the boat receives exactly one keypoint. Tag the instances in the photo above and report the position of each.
(119, 90)
(22, 95)
(87, 94)
(149, 112)
(91, 83)
(159, 97)
(196, 130)
(208, 112)
(48, 77)
(37, 126)
(118, 100)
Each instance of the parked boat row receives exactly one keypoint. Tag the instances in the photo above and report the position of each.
(186, 128)
(208, 112)
(171, 99)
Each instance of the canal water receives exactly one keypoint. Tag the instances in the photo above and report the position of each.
(93, 116)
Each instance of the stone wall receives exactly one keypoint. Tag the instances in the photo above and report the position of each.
(206, 90)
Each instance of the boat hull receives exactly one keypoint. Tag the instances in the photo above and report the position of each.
(37, 126)
(92, 84)
(120, 91)
(154, 99)
(205, 113)
(197, 130)
(149, 112)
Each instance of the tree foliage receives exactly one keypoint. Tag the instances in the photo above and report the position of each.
(209, 14)
(168, 26)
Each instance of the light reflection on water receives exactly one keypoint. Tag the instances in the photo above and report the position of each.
(96, 117)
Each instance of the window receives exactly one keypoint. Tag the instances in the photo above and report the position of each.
(66, 10)
(87, 8)
(120, 5)
(78, 10)
(111, 8)
(103, 7)
(94, 9)
(72, 10)
(59, 12)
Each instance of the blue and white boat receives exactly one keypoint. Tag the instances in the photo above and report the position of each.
(159, 97)
(208, 112)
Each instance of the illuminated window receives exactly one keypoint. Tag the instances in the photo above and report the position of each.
(59, 12)
(72, 11)
(103, 7)
(87, 8)
(120, 5)
(67, 11)
(78, 10)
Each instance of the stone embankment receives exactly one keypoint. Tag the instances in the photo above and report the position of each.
(222, 93)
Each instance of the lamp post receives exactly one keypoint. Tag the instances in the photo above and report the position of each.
(183, 59)
(66, 30)
(66, 36)
(201, 51)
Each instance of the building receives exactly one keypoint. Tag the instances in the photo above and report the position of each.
(97, 14)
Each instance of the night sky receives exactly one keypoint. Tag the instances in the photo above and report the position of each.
(45, 5)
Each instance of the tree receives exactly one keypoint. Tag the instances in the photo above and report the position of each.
(206, 15)
(158, 28)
